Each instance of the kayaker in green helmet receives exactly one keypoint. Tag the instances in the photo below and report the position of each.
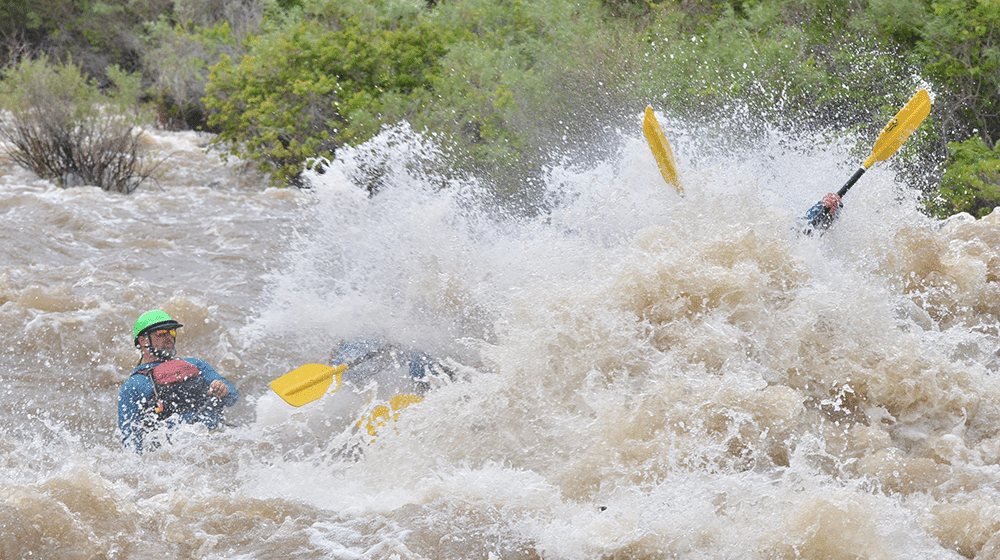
(163, 391)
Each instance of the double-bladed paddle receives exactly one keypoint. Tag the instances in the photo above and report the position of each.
(661, 150)
(307, 383)
(820, 216)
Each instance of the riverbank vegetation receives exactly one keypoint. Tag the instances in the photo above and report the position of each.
(65, 127)
(508, 85)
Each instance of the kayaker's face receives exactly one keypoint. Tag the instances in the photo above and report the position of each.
(164, 341)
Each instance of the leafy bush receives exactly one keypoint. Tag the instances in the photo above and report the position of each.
(528, 82)
(304, 91)
(182, 44)
(64, 128)
(955, 45)
(95, 34)
(502, 82)
(961, 46)
(972, 181)
(788, 62)
(629, 9)
(179, 63)
(511, 85)
(899, 21)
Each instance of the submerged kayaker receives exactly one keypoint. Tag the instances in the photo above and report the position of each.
(822, 214)
(163, 391)
(389, 377)
(394, 368)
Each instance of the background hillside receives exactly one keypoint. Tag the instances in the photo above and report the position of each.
(509, 85)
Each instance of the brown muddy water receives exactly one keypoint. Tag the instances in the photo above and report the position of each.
(640, 375)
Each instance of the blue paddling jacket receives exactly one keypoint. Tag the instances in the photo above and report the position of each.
(145, 404)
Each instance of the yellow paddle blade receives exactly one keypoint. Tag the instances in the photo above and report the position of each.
(900, 127)
(382, 414)
(661, 149)
(307, 383)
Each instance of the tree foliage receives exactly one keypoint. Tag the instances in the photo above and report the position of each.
(961, 46)
(297, 96)
(510, 85)
(63, 127)
(971, 183)
(179, 62)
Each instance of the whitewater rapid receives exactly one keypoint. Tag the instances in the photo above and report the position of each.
(640, 374)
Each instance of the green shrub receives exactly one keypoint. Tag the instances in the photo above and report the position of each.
(96, 34)
(510, 84)
(899, 21)
(182, 44)
(778, 59)
(626, 8)
(971, 182)
(178, 61)
(64, 128)
(301, 93)
(528, 82)
(955, 45)
(961, 46)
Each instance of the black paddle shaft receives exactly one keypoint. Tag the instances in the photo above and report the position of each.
(850, 182)
(819, 217)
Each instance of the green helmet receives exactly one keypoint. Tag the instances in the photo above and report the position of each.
(153, 320)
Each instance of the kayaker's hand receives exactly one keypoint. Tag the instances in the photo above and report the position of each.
(218, 389)
(832, 202)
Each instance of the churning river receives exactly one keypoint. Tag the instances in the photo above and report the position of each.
(640, 374)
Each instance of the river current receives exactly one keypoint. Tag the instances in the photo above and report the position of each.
(639, 374)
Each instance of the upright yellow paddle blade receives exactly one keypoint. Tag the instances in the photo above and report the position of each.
(307, 383)
(820, 216)
(900, 127)
(661, 149)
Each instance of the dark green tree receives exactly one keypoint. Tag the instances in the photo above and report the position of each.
(301, 93)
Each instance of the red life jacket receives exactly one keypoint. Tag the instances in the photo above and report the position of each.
(180, 389)
(173, 371)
